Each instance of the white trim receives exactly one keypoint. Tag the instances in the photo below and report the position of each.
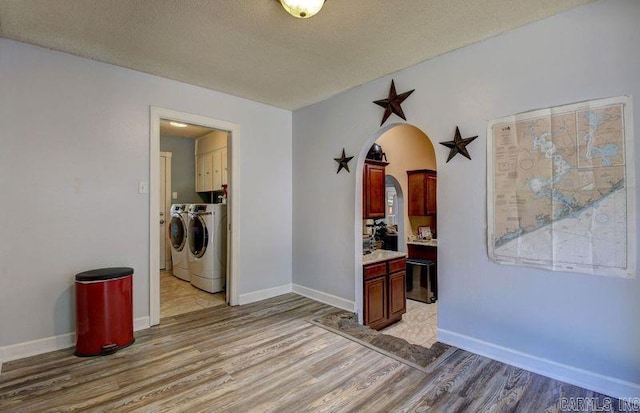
(141, 323)
(167, 209)
(233, 270)
(154, 210)
(35, 347)
(260, 295)
(45, 345)
(610, 386)
(325, 298)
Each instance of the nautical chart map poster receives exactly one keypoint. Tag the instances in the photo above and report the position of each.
(560, 188)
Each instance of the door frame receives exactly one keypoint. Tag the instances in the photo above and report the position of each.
(357, 230)
(357, 227)
(167, 206)
(233, 206)
(392, 181)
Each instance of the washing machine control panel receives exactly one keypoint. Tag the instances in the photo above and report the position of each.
(195, 208)
(178, 207)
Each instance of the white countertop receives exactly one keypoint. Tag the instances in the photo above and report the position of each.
(381, 255)
(430, 243)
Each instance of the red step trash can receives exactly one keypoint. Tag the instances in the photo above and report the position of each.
(104, 311)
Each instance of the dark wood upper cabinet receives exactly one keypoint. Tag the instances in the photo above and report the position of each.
(373, 191)
(422, 192)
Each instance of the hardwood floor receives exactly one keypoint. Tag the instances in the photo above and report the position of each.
(266, 357)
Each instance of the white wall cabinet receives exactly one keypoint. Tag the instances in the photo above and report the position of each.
(211, 166)
(223, 167)
(204, 172)
(217, 170)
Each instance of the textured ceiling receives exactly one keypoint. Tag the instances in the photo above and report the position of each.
(254, 49)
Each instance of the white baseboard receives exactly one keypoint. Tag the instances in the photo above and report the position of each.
(260, 295)
(45, 345)
(320, 296)
(324, 297)
(141, 323)
(610, 386)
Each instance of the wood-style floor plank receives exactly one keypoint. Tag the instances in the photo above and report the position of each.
(266, 357)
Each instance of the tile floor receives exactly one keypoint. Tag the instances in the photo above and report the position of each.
(418, 326)
(179, 297)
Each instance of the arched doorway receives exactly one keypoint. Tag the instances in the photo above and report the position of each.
(395, 206)
(407, 148)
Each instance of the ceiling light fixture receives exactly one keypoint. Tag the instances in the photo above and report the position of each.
(178, 124)
(302, 9)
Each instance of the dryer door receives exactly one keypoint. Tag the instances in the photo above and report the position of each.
(177, 232)
(198, 235)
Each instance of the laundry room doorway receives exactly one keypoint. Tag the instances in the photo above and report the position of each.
(199, 189)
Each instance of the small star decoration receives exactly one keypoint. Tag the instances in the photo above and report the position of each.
(458, 145)
(392, 103)
(343, 161)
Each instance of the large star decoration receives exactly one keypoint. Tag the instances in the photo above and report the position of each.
(392, 103)
(343, 161)
(458, 145)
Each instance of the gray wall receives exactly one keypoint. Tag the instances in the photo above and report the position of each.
(576, 327)
(183, 166)
(74, 135)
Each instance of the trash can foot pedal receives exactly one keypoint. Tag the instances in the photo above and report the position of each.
(109, 349)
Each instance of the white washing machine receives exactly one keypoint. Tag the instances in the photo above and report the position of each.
(207, 238)
(178, 235)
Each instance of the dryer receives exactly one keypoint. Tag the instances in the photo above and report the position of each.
(178, 235)
(207, 239)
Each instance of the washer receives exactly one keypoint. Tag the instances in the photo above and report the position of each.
(207, 239)
(178, 235)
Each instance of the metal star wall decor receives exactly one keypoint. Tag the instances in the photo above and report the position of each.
(458, 145)
(392, 103)
(343, 162)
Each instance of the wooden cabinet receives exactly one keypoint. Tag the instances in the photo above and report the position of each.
(397, 295)
(217, 170)
(224, 167)
(211, 170)
(211, 161)
(384, 293)
(204, 172)
(422, 192)
(375, 297)
(373, 191)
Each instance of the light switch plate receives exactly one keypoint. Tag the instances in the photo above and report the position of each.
(143, 187)
(174, 195)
